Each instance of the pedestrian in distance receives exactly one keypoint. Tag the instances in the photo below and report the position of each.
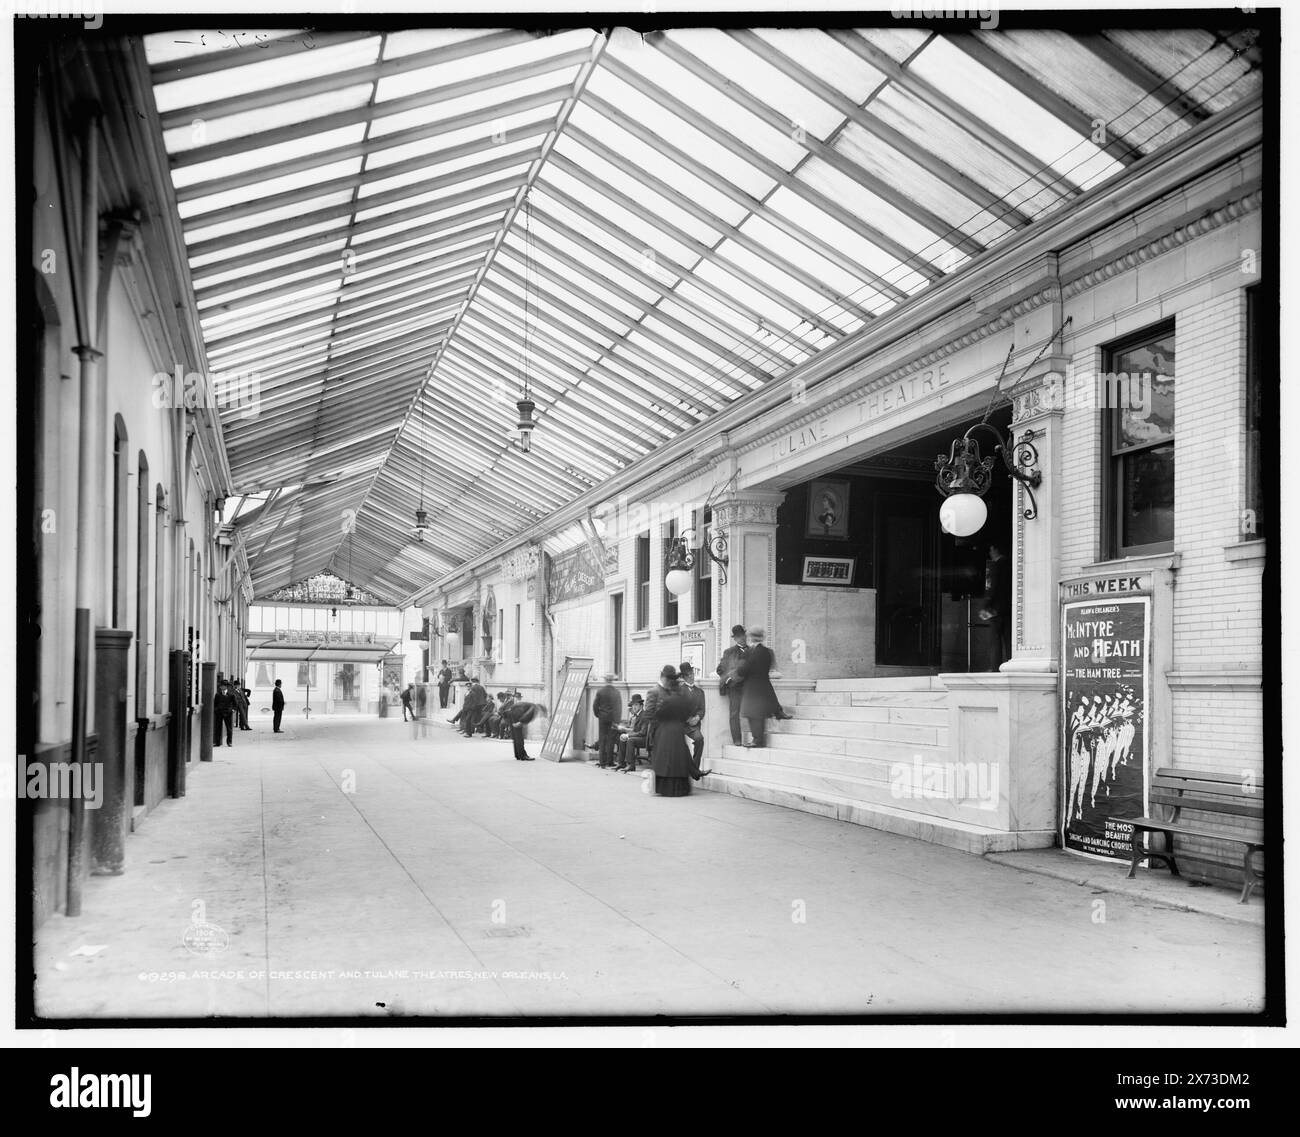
(277, 708)
(223, 708)
(406, 702)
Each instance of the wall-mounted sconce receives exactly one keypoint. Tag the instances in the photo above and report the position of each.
(964, 477)
(680, 559)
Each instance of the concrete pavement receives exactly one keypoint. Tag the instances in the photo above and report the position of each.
(350, 868)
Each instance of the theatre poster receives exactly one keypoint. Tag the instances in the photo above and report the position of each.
(1105, 689)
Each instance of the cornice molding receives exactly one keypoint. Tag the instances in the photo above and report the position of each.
(1180, 235)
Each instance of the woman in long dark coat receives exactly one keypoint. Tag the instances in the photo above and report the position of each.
(672, 758)
(759, 701)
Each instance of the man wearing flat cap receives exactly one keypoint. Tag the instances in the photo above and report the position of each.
(730, 684)
(608, 709)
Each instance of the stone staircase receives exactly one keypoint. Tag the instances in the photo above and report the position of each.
(855, 750)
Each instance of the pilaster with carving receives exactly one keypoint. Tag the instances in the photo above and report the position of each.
(1037, 406)
(747, 520)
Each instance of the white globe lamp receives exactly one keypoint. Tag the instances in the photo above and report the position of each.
(963, 514)
(678, 582)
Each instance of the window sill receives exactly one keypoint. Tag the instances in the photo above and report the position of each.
(639, 637)
(1248, 553)
(671, 630)
(698, 626)
(1146, 563)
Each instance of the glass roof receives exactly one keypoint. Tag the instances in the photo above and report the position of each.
(393, 231)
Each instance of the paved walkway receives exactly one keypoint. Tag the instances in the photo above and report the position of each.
(347, 868)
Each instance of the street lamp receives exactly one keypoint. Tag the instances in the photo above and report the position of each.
(964, 477)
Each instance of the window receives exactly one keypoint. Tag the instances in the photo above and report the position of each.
(616, 637)
(642, 582)
(1139, 444)
(703, 569)
(1252, 519)
(670, 601)
(518, 626)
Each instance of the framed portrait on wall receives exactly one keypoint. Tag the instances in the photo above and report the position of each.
(828, 509)
(828, 570)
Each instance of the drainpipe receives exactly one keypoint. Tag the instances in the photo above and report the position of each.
(90, 489)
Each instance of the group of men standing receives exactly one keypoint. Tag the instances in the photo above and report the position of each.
(511, 712)
(230, 706)
(745, 675)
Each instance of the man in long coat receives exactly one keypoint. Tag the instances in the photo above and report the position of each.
(607, 706)
(758, 703)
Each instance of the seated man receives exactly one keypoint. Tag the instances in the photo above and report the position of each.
(631, 734)
(492, 724)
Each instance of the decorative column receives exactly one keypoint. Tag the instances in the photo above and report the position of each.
(747, 521)
(207, 709)
(108, 826)
(1038, 403)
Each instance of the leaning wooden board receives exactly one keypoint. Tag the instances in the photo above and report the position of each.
(566, 706)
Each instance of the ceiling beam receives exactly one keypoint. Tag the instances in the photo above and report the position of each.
(1032, 168)
(277, 96)
(368, 114)
(908, 147)
(357, 151)
(706, 253)
(223, 58)
(900, 200)
(1081, 122)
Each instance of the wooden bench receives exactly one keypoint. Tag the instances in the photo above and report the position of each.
(1207, 792)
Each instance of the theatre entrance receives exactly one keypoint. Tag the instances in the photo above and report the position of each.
(860, 549)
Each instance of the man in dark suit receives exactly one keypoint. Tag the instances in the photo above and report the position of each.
(995, 607)
(471, 709)
(519, 715)
(223, 707)
(731, 683)
(631, 734)
(444, 685)
(277, 707)
(698, 703)
(607, 706)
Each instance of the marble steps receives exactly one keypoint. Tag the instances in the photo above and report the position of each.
(924, 734)
(737, 759)
(879, 713)
(890, 818)
(804, 747)
(871, 699)
(880, 684)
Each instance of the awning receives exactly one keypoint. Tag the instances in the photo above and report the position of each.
(314, 652)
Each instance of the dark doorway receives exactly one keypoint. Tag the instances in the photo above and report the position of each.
(907, 576)
(930, 585)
